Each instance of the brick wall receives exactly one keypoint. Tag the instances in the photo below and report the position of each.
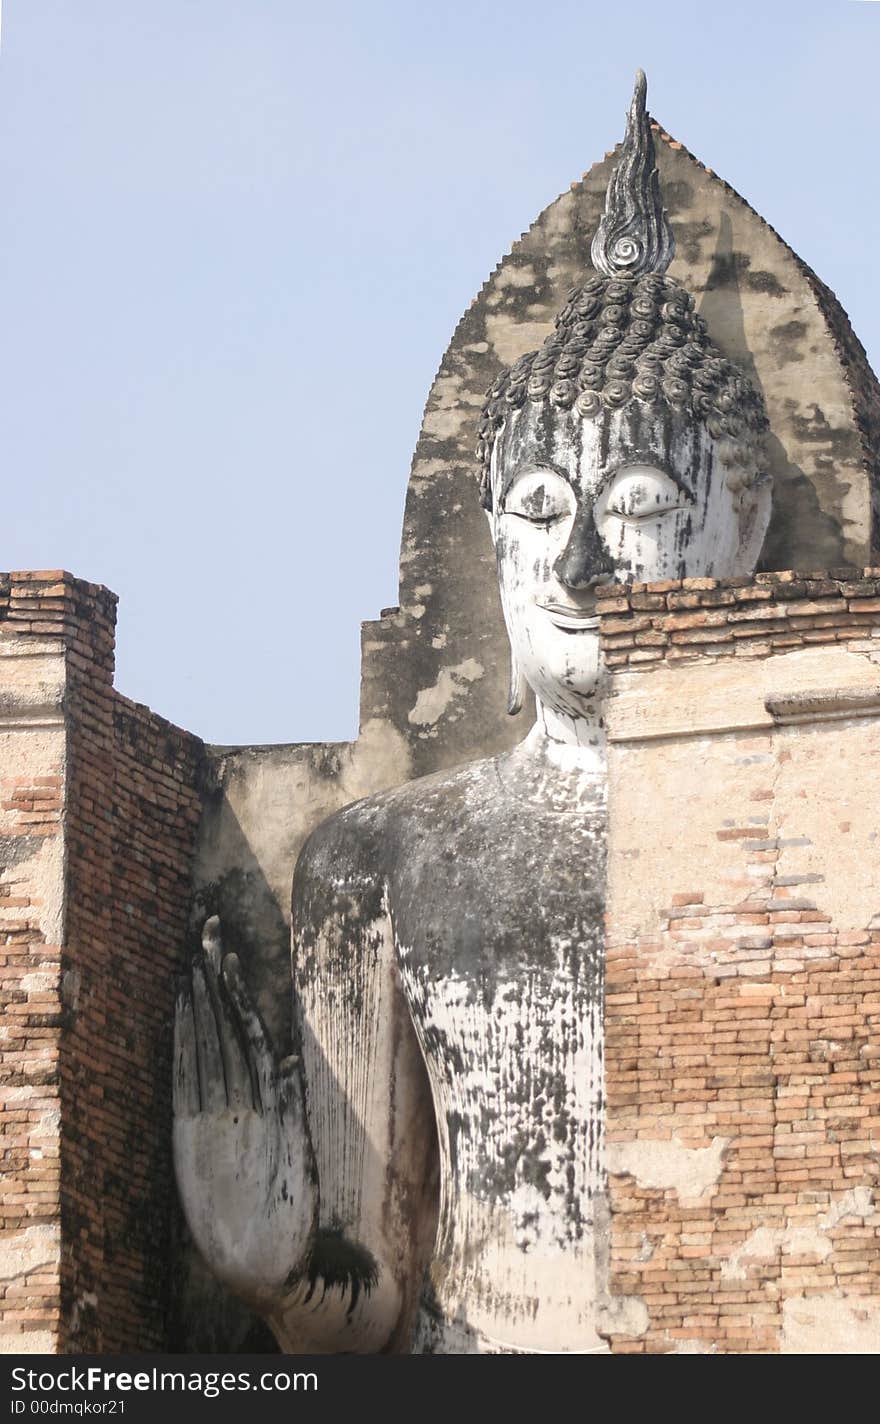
(743, 977)
(32, 763)
(743, 964)
(91, 936)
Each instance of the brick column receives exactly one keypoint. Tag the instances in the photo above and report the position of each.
(743, 965)
(99, 805)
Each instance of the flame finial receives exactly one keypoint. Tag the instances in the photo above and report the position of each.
(634, 237)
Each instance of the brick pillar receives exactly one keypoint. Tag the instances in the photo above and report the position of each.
(743, 966)
(99, 805)
(32, 762)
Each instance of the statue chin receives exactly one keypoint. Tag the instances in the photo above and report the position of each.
(564, 670)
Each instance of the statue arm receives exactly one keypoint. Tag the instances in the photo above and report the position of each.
(309, 1185)
(368, 1107)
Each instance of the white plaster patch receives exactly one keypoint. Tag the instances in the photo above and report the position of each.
(512, 276)
(39, 982)
(48, 1123)
(29, 1342)
(426, 472)
(510, 339)
(433, 702)
(766, 1242)
(690, 1172)
(24, 1252)
(444, 424)
(44, 869)
(701, 698)
(624, 1315)
(859, 1203)
(831, 1325)
(646, 1248)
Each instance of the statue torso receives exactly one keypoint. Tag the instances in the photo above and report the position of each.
(495, 889)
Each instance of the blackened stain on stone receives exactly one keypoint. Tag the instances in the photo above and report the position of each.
(786, 339)
(766, 282)
(734, 269)
(338, 1264)
(677, 195)
(797, 521)
(721, 304)
(535, 1168)
(14, 850)
(841, 442)
(689, 238)
(336, 884)
(438, 1046)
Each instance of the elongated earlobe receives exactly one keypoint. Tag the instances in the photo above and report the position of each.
(516, 695)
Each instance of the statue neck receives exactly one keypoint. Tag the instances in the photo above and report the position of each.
(560, 765)
(572, 742)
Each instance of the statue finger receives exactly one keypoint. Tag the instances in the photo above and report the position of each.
(212, 943)
(212, 1079)
(291, 1091)
(259, 1050)
(297, 1167)
(236, 1068)
(290, 1081)
(185, 1082)
(241, 1090)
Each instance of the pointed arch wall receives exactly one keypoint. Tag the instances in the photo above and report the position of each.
(766, 310)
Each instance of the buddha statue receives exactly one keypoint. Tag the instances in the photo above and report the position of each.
(425, 1174)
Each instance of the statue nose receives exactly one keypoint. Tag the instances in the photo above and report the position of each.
(584, 560)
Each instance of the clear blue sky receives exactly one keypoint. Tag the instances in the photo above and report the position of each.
(237, 235)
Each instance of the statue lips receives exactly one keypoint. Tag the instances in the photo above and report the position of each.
(572, 618)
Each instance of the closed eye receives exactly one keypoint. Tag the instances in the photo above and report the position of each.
(641, 492)
(539, 496)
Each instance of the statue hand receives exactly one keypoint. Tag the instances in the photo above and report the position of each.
(242, 1152)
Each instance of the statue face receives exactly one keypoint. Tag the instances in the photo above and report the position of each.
(637, 494)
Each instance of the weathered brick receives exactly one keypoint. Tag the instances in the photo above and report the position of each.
(90, 1147)
(750, 1020)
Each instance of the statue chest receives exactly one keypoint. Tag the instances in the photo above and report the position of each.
(496, 895)
(501, 961)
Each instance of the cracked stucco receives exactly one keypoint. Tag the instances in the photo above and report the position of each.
(669, 1165)
(433, 702)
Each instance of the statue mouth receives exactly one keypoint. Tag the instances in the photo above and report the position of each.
(572, 619)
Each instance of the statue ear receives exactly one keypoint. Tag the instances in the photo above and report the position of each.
(755, 510)
(517, 687)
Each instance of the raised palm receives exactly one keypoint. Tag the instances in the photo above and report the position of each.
(242, 1153)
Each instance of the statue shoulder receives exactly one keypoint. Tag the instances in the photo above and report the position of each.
(356, 845)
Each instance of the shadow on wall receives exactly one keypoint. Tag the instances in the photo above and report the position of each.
(254, 925)
(205, 1318)
(797, 520)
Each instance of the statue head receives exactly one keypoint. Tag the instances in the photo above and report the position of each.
(626, 449)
